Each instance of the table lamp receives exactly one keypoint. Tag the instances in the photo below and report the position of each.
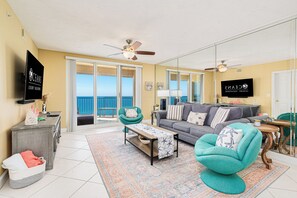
(163, 94)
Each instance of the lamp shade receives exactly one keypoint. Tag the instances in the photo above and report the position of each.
(176, 93)
(163, 93)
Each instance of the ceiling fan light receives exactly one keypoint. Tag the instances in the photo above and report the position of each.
(222, 68)
(129, 54)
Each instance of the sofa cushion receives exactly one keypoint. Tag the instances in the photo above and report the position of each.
(210, 115)
(167, 123)
(200, 130)
(246, 112)
(183, 126)
(187, 109)
(201, 108)
(234, 113)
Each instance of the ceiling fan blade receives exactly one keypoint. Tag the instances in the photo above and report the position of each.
(211, 68)
(134, 57)
(234, 65)
(145, 53)
(113, 46)
(136, 45)
(115, 54)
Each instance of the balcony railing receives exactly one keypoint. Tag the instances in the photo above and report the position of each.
(106, 105)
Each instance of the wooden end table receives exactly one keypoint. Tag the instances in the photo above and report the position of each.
(282, 124)
(267, 130)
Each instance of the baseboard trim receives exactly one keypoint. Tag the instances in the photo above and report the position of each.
(3, 178)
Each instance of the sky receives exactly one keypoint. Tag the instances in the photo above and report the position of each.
(106, 85)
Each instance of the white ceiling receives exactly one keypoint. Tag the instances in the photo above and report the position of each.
(168, 27)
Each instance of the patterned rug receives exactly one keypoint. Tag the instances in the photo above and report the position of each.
(127, 172)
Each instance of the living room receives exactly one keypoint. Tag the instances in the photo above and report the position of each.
(89, 79)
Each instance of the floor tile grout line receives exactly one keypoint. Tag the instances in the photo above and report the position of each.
(78, 189)
(270, 193)
(283, 189)
(44, 186)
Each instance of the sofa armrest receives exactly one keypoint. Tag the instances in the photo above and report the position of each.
(160, 115)
(220, 126)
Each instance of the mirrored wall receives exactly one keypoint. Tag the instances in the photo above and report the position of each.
(265, 61)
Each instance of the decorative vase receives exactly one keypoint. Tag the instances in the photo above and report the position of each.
(44, 108)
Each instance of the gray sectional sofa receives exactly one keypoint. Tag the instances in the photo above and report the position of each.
(191, 133)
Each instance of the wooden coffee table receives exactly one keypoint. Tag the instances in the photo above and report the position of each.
(148, 149)
(267, 130)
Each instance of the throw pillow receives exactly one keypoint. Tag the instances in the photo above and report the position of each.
(175, 112)
(229, 138)
(131, 113)
(196, 118)
(220, 116)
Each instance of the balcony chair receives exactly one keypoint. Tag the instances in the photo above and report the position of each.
(126, 121)
(223, 163)
(288, 116)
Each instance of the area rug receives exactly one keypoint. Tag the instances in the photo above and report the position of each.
(126, 171)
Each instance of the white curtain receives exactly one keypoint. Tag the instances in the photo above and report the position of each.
(138, 86)
(71, 107)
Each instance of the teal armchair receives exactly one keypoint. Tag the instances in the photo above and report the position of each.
(223, 163)
(289, 117)
(127, 121)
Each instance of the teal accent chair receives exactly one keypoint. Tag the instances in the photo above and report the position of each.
(223, 163)
(288, 116)
(127, 121)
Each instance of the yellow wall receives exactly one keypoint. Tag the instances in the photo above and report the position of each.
(208, 81)
(55, 80)
(13, 47)
(262, 79)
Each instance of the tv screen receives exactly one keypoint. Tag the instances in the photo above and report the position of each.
(33, 78)
(242, 88)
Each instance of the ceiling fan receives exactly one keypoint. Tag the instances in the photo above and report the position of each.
(221, 67)
(129, 50)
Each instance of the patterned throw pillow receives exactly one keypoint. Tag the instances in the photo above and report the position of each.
(229, 138)
(221, 116)
(175, 112)
(196, 118)
(131, 113)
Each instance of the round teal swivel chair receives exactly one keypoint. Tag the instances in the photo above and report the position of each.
(223, 163)
(288, 116)
(126, 121)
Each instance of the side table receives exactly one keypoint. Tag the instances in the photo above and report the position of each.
(267, 130)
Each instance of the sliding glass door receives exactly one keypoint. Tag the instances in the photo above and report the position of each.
(106, 89)
(100, 90)
(85, 93)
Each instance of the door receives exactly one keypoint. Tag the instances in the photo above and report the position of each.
(281, 97)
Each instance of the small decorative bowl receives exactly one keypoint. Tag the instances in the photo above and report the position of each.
(143, 140)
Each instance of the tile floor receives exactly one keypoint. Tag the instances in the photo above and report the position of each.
(75, 174)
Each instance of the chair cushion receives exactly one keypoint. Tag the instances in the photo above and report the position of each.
(210, 115)
(196, 118)
(187, 109)
(235, 113)
(167, 123)
(201, 108)
(229, 138)
(221, 116)
(175, 112)
(183, 126)
(198, 131)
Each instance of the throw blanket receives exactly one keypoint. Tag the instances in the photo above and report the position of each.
(165, 140)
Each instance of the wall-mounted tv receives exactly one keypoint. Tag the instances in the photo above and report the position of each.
(242, 88)
(33, 79)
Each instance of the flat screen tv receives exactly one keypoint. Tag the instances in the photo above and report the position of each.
(33, 79)
(242, 88)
